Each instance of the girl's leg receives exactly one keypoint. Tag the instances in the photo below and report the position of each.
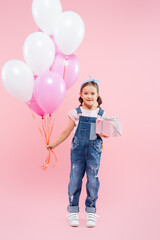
(75, 186)
(92, 187)
(92, 167)
(76, 176)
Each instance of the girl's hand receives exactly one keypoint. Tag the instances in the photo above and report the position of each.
(49, 147)
(101, 135)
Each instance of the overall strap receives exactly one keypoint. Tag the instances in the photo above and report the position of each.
(78, 110)
(101, 111)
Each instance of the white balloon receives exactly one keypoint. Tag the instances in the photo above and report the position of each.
(39, 52)
(69, 31)
(45, 12)
(18, 79)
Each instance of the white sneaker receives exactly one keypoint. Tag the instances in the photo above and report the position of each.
(91, 219)
(73, 219)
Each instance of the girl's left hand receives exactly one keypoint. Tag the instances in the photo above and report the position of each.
(101, 135)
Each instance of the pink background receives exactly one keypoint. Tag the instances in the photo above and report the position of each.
(121, 48)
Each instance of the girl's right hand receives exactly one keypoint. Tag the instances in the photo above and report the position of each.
(49, 147)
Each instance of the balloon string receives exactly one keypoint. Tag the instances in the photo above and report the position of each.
(44, 131)
(45, 124)
(52, 149)
(31, 110)
(46, 164)
(47, 130)
(36, 123)
(47, 161)
(55, 158)
(66, 58)
(51, 129)
(49, 121)
(46, 134)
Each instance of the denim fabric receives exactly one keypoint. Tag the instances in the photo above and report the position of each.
(85, 157)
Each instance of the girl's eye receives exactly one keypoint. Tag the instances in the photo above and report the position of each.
(91, 93)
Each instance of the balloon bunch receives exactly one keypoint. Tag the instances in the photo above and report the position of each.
(50, 67)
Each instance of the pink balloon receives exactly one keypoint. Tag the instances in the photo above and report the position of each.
(49, 91)
(67, 66)
(35, 107)
(57, 50)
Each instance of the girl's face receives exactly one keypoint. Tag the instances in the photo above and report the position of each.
(89, 95)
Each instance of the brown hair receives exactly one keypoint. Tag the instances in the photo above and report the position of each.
(91, 83)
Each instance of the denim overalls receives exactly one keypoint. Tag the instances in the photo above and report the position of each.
(85, 156)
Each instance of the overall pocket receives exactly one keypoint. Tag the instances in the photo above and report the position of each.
(98, 145)
(74, 144)
(82, 131)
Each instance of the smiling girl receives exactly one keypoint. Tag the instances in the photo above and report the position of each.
(86, 149)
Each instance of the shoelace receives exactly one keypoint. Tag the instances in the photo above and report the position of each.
(72, 216)
(92, 217)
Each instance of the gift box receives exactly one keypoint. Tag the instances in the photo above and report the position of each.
(111, 127)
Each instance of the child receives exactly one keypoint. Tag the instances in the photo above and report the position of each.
(86, 148)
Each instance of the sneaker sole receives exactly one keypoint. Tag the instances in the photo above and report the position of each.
(74, 225)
